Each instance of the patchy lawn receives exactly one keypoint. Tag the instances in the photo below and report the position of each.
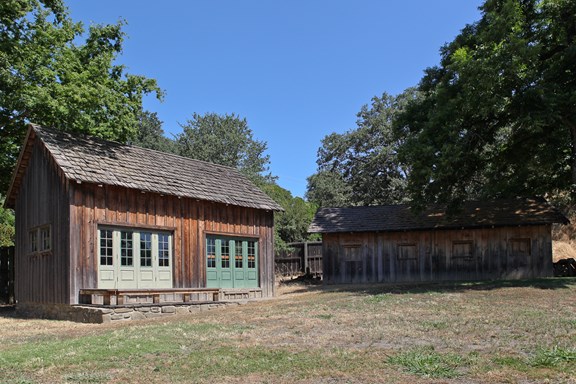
(511, 332)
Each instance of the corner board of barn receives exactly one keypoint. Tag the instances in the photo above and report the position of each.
(105, 225)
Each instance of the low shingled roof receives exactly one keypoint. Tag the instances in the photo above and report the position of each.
(394, 218)
(88, 159)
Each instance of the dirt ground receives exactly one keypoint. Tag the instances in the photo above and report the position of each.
(490, 332)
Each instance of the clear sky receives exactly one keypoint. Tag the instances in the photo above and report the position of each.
(296, 70)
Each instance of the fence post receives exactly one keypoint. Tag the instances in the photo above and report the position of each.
(306, 266)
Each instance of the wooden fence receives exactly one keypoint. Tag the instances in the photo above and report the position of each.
(6, 275)
(303, 258)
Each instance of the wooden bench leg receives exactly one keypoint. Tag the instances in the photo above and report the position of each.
(106, 299)
(186, 297)
(120, 300)
(215, 296)
(156, 298)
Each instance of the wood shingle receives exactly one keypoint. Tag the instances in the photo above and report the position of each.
(486, 214)
(85, 159)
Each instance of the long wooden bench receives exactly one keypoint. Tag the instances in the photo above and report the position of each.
(121, 294)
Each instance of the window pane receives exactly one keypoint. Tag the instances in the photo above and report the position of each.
(106, 247)
(145, 249)
(45, 243)
(211, 252)
(33, 240)
(238, 252)
(163, 250)
(251, 254)
(225, 254)
(126, 249)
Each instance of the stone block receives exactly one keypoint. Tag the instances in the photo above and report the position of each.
(169, 309)
(182, 309)
(123, 310)
(106, 318)
(137, 316)
(151, 315)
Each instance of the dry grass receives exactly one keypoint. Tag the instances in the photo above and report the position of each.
(523, 332)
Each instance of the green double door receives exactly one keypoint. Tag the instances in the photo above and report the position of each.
(231, 262)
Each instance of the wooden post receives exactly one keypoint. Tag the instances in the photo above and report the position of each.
(306, 266)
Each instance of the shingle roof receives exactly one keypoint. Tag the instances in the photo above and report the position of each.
(494, 213)
(91, 160)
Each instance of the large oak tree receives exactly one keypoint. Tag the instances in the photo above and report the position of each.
(498, 115)
(53, 73)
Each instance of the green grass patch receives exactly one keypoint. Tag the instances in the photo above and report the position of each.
(552, 357)
(425, 361)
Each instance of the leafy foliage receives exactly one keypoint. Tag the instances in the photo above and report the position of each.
(6, 225)
(290, 226)
(47, 77)
(361, 166)
(151, 135)
(497, 117)
(225, 140)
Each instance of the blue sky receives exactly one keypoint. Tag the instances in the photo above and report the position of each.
(296, 70)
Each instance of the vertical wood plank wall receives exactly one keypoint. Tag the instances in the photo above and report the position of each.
(188, 219)
(491, 257)
(42, 277)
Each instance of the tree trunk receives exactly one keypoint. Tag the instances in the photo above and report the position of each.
(572, 160)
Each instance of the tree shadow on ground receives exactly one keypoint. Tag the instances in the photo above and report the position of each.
(433, 287)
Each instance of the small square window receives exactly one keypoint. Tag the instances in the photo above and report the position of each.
(407, 252)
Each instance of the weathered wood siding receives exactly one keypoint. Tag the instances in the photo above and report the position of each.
(43, 200)
(467, 254)
(189, 220)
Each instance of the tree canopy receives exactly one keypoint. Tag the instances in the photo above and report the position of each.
(151, 134)
(225, 140)
(7, 231)
(361, 166)
(497, 117)
(52, 74)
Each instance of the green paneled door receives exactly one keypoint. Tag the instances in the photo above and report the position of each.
(231, 262)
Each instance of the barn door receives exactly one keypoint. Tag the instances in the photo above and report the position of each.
(231, 263)
(134, 259)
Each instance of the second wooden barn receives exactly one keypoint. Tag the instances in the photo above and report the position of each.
(486, 240)
(93, 214)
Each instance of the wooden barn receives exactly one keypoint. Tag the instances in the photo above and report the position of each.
(485, 240)
(97, 215)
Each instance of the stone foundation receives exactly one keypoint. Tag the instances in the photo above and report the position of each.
(106, 314)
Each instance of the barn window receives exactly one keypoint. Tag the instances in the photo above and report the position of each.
(211, 252)
(462, 249)
(352, 253)
(152, 248)
(45, 239)
(238, 258)
(520, 247)
(407, 252)
(126, 249)
(251, 254)
(225, 255)
(33, 241)
(163, 250)
(40, 239)
(106, 246)
(145, 249)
